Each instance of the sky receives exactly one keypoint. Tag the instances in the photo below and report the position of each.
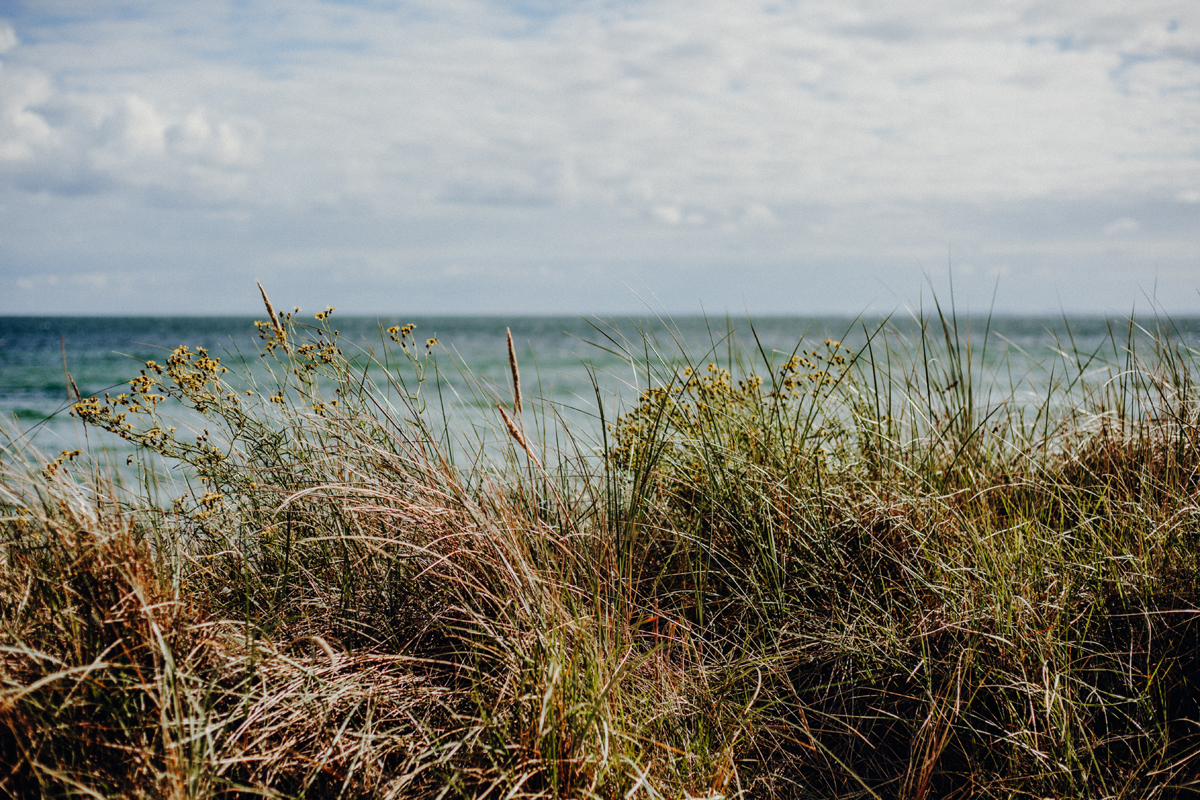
(599, 156)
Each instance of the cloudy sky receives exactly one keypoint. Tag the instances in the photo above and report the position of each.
(576, 156)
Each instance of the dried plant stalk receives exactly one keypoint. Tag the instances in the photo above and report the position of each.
(517, 435)
(516, 375)
(271, 311)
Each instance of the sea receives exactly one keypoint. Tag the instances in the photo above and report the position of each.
(575, 367)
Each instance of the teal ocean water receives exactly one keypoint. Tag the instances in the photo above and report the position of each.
(560, 356)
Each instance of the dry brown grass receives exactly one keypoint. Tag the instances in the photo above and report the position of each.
(765, 595)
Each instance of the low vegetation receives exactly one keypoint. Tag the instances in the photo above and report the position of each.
(833, 572)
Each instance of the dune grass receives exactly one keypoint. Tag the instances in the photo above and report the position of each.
(834, 572)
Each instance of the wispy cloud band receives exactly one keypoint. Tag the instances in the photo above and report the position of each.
(706, 115)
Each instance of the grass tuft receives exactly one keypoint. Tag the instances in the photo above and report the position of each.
(870, 571)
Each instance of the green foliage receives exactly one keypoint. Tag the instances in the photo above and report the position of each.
(868, 571)
(680, 426)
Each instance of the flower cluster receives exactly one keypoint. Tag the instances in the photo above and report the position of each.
(708, 411)
(323, 408)
(694, 406)
(51, 469)
(252, 419)
(210, 502)
(401, 334)
(194, 378)
(310, 355)
(805, 373)
(273, 335)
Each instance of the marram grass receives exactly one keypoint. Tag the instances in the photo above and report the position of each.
(825, 573)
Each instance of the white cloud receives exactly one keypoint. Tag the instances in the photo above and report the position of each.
(61, 141)
(32, 282)
(8, 37)
(1124, 225)
(712, 104)
(464, 132)
(90, 280)
(758, 215)
(668, 214)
